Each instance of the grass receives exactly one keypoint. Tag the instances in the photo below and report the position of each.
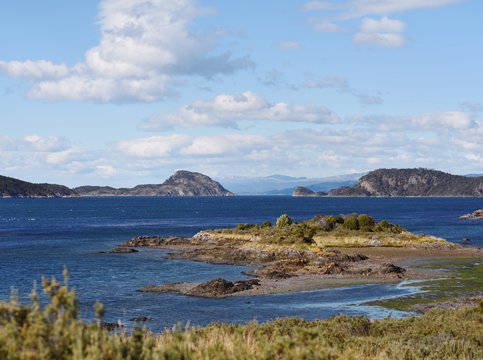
(55, 332)
(454, 278)
(354, 230)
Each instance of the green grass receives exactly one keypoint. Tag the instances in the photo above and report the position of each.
(55, 332)
(454, 278)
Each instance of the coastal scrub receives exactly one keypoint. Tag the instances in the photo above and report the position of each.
(55, 332)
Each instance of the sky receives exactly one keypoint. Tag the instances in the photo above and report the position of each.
(124, 92)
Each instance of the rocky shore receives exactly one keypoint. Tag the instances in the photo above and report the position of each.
(281, 268)
(475, 215)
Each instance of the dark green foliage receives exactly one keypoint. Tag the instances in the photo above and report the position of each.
(245, 226)
(366, 222)
(351, 223)
(266, 224)
(283, 220)
(386, 226)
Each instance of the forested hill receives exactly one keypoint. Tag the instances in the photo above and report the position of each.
(10, 187)
(412, 182)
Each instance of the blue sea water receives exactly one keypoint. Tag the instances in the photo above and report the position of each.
(41, 236)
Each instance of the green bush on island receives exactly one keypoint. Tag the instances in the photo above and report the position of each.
(283, 221)
(288, 231)
(55, 332)
(351, 223)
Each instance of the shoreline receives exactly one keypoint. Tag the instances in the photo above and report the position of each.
(350, 266)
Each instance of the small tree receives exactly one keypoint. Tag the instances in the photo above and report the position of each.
(283, 220)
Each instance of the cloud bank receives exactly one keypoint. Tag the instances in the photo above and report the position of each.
(143, 47)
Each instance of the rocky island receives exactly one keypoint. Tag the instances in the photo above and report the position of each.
(182, 183)
(475, 215)
(304, 191)
(413, 182)
(292, 256)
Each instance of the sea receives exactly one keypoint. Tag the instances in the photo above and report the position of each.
(39, 237)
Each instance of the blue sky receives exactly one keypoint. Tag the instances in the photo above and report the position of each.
(123, 92)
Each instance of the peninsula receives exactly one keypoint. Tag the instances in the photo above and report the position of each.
(292, 256)
(413, 182)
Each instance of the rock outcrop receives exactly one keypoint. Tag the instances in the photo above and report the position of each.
(304, 191)
(413, 182)
(475, 215)
(182, 183)
(10, 187)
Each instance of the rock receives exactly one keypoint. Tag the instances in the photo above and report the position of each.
(140, 319)
(155, 241)
(475, 215)
(386, 269)
(333, 268)
(221, 287)
(111, 326)
(123, 250)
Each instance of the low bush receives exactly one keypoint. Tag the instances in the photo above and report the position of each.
(55, 332)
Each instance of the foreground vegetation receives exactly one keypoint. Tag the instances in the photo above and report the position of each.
(353, 230)
(55, 332)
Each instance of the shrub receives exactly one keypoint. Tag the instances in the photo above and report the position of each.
(366, 222)
(283, 220)
(245, 226)
(303, 233)
(266, 224)
(386, 226)
(351, 223)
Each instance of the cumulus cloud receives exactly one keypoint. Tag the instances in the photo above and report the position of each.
(383, 32)
(227, 110)
(143, 46)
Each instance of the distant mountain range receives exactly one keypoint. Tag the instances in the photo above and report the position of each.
(182, 183)
(381, 182)
(412, 182)
(285, 185)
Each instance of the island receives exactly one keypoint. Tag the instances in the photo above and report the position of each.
(305, 191)
(182, 183)
(14, 188)
(475, 215)
(320, 252)
(413, 182)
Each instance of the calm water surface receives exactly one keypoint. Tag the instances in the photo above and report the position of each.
(40, 236)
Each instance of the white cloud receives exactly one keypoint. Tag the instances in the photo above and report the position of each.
(359, 8)
(154, 146)
(224, 145)
(289, 45)
(34, 69)
(226, 110)
(383, 32)
(143, 45)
